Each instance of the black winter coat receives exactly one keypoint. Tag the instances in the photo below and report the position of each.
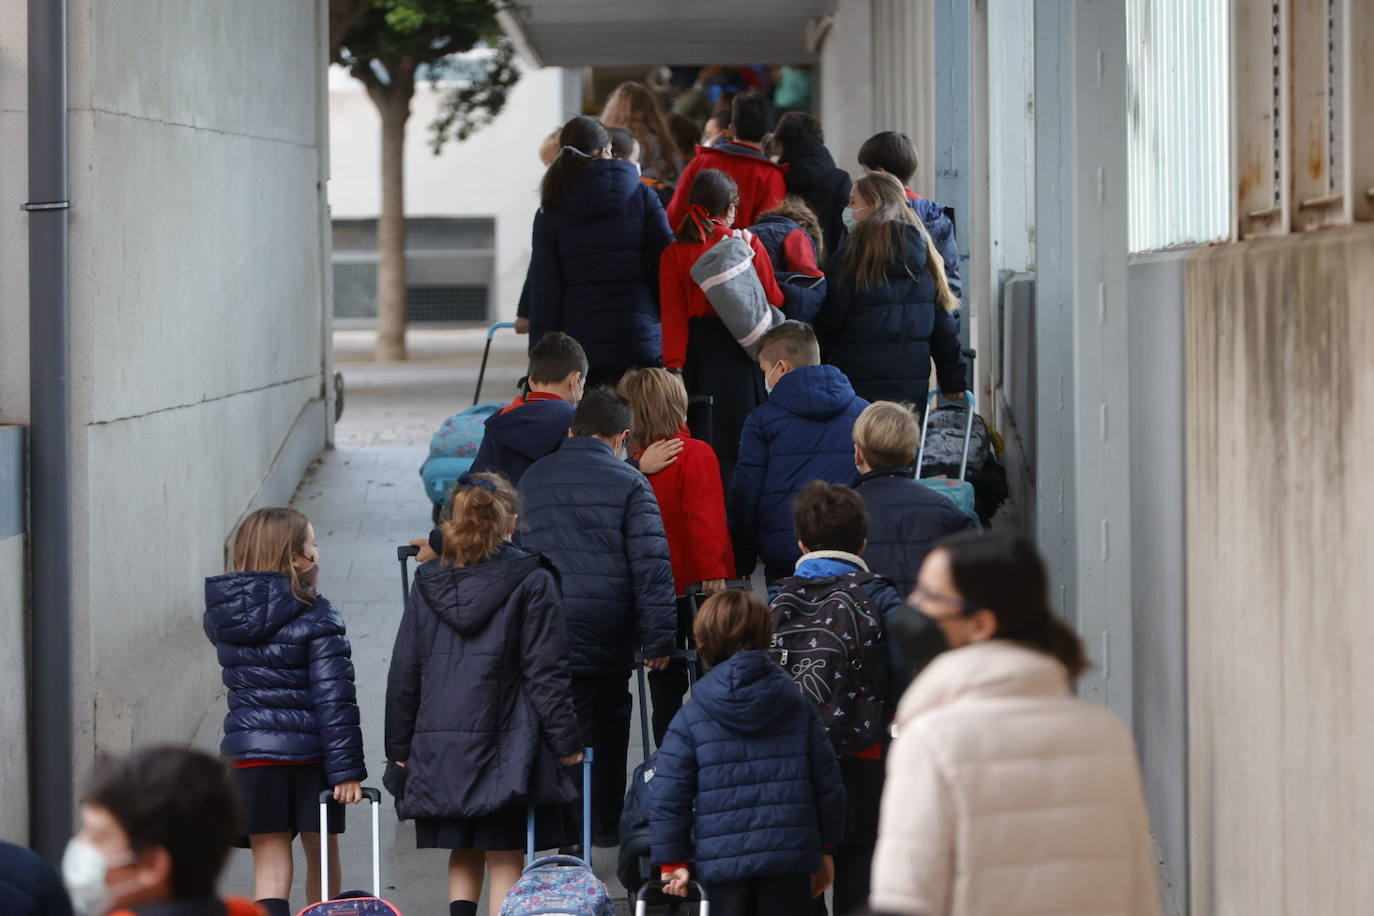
(594, 269)
(289, 670)
(905, 519)
(813, 176)
(478, 700)
(883, 337)
(596, 518)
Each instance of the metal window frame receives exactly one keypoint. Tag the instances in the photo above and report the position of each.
(1303, 100)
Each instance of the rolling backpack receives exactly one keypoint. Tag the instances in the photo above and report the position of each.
(831, 640)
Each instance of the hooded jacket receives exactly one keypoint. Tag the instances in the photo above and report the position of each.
(794, 264)
(905, 519)
(1005, 796)
(29, 886)
(800, 434)
(746, 782)
(520, 435)
(883, 337)
(940, 224)
(813, 176)
(478, 699)
(594, 268)
(760, 181)
(289, 670)
(596, 518)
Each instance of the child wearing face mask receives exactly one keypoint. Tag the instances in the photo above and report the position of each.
(696, 341)
(596, 518)
(625, 148)
(293, 728)
(156, 828)
(800, 434)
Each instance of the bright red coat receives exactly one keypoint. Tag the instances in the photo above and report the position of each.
(691, 500)
(680, 299)
(761, 182)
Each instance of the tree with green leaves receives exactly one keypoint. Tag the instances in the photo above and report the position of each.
(390, 47)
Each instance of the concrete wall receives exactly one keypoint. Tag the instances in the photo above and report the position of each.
(14, 764)
(196, 282)
(1280, 406)
(1158, 545)
(494, 173)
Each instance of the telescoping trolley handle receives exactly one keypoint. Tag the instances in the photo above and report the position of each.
(403, 553)
(969, 406)
(482, 373)
(642, 898)
(375, 797)
(586, 819)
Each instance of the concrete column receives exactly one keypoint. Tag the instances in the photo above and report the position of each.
(1083, 494)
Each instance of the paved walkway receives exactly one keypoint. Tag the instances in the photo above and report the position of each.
(365, 498)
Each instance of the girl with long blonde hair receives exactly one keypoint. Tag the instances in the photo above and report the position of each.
(889, 308)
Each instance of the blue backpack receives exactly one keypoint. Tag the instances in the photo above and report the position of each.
(454, 448)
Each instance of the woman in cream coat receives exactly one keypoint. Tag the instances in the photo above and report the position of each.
(1005, 795)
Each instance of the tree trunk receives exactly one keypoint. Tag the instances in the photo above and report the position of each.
(391, 232)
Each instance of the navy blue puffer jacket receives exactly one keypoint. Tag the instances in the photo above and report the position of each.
(596, 518)
(594, 269)
(883, 337)
(746, 782)
(29, 886)
(800, 434)
(802, 296)
(478, 700)
(905, 519)
(289, 670)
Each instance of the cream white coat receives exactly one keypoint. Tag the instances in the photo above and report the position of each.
(1006, 796)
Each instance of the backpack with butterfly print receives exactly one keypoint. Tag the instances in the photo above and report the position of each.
(832, 642)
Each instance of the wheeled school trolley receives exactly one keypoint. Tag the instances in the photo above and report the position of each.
(352, 903)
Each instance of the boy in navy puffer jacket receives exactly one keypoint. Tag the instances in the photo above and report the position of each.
(292, 730)
(746, 796)
(831, 526)
(800, 434)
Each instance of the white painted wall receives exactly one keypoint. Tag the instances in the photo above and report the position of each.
(14, 244)
(196, 293)
(494, 173)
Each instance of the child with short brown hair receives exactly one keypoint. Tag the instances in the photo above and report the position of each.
(746, 743)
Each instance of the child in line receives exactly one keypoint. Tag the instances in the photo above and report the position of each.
(791, 234)
(692, 503)
(890, 641)
(695, 339)
(801, 433)
(747, 795)
(760, 180)
(596, 518)
(894, 153)
(479, 706)
(156, 828)
(626, 148)
(292, 730)
(905, 518)
(536, 422)
(889, 308)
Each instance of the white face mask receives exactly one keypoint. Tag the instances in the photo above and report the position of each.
(767, 385)
(84, 871)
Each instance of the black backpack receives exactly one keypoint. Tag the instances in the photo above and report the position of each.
(832, 642)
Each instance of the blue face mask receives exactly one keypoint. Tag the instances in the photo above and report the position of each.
(849, 219)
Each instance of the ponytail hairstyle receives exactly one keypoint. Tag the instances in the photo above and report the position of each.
(799, 212)
(877, 241)
(267, 540)
(1004, 574)
(581, 141)
(477, 518)
(713, 193)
